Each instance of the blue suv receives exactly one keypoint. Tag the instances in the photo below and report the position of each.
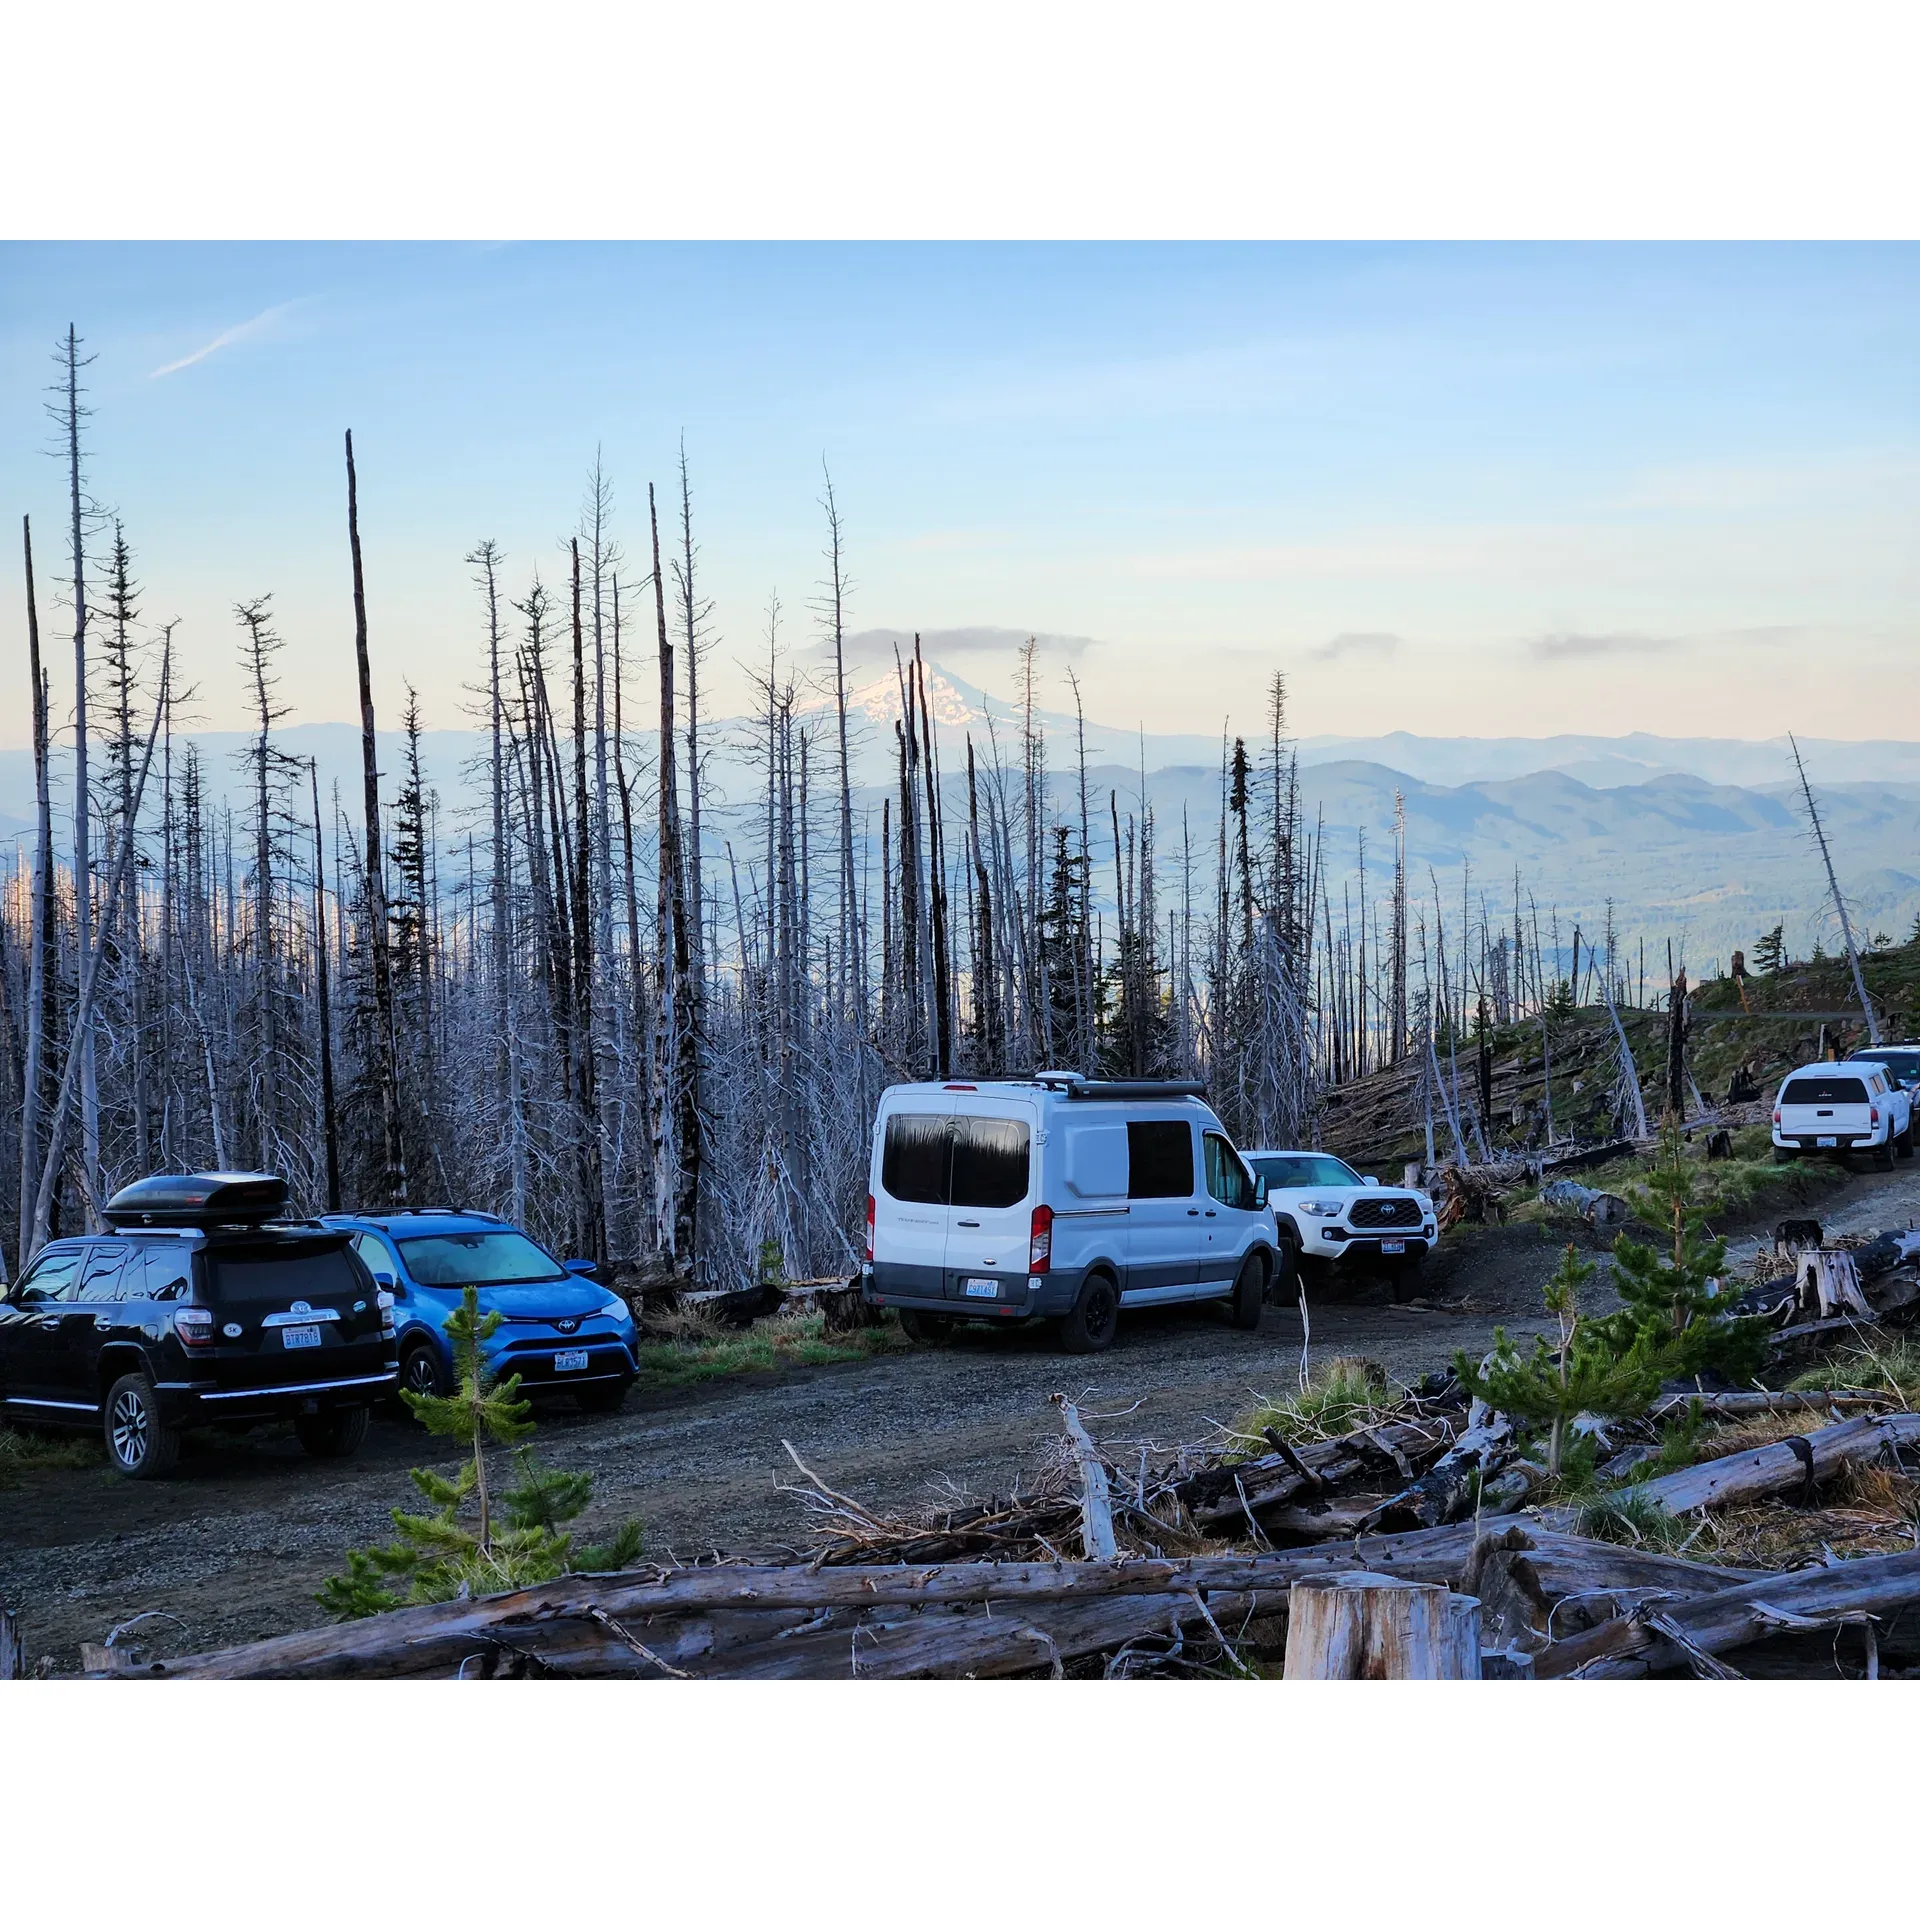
(561, 1331)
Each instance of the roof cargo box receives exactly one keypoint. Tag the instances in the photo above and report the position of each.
(199, 1200)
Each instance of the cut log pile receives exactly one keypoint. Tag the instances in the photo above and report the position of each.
(1375, 1553)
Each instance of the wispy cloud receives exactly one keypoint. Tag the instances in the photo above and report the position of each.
(1358, 646)
(878, 644)
(1593, 646)
(245, 330)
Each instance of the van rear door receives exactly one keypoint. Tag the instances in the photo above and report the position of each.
(990, 1222)
(910, 1211)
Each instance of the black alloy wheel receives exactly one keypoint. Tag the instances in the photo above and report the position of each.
(138, 1443)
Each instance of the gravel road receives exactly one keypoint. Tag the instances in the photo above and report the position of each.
(236, 1542)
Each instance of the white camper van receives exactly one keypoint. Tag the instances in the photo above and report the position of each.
(1060, 1198)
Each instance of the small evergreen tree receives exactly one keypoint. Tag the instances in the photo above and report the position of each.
(435, 1556)
(1770, 950)
(1579, 1371)
(1674, 1297)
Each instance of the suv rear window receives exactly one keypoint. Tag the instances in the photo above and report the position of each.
(931, 1160)
(275, 1276)
(1823, 1092)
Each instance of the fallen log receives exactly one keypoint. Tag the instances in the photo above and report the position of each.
(1096, 1498)
(1662, 1638)
(1446, 1490)
(1744, 1405)
(1799, 1461)
(1218, 1498)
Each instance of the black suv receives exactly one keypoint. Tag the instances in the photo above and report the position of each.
(197, 1308)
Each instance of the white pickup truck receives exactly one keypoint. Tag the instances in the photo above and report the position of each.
(1336, 1222)
(1843, 1107)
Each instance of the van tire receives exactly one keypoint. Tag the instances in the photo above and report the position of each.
(143, 1447)
(1249, 1294)
(926, 1329)
(332, 1436)
(1090, 1322)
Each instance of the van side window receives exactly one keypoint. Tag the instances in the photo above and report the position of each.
(989, 1162)
(1159, 1159)
(914, 1163)
(1227, 1179)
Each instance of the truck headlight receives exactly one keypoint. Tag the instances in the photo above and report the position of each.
(1322, 1209)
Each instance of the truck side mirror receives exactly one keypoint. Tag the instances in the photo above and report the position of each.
(1372, 1179)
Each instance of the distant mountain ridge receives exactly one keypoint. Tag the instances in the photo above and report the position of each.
(1702, 840)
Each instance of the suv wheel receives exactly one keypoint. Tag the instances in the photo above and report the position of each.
(1249, 1294)
(332, 1436)
(138, 1443)
(421, 1371)
(1090, 1322)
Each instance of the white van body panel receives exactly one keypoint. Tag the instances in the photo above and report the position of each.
(1089, 1160)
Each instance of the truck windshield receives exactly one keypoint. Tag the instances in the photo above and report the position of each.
(1303, 1170)
(478, 1260)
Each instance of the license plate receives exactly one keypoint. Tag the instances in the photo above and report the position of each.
(574, 1362)
(1393, 1246)
(299, 1336)
(983, 1289)
(1827, 1140)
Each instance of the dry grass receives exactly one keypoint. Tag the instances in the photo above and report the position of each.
(22, 1452)
(1342, 1394)
(694, 1349)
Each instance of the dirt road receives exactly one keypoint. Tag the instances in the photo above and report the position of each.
(236, 1543)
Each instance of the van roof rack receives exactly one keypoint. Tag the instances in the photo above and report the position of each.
(1079, 1089)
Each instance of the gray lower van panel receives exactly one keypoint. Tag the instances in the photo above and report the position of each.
(896, 1278)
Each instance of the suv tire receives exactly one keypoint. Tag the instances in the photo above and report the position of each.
(1090, 1322)
(139, 1444)
(421, 1370)
(1249, 1294)
(603, 1396)
(332, 1436)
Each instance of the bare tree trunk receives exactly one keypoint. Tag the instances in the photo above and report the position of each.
(1833, 889)
(40, 909)
(328, 1119)
(592, 1208)
(385, 1042)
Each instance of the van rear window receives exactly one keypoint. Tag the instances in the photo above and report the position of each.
(916, 1160)
(1159, 1159)
(929, 1160)
(272, 1278)
(1823, 1092)
(989, 1162)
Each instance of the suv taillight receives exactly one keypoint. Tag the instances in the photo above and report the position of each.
(194, 1325)
(1040, 1246)
(869, 1227)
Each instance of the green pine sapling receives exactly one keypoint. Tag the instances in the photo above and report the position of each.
(1676, 1297)
(435, 1556)
(1579, 1371)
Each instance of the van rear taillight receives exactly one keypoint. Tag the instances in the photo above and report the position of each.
(869, 1227)
(194, 1325)
(1040, 1246)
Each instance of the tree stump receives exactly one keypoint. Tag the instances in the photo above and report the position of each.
(1365, 1626)
(1829, 1281)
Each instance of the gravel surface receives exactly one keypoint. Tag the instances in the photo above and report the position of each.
(236, 1542)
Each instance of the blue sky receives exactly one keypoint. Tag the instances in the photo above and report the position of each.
(1451, 489)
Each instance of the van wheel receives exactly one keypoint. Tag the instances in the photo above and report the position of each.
(1249, 1294)
(332, 1436)
(1090, 1322)
(137, 1443)
(926, 1329)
